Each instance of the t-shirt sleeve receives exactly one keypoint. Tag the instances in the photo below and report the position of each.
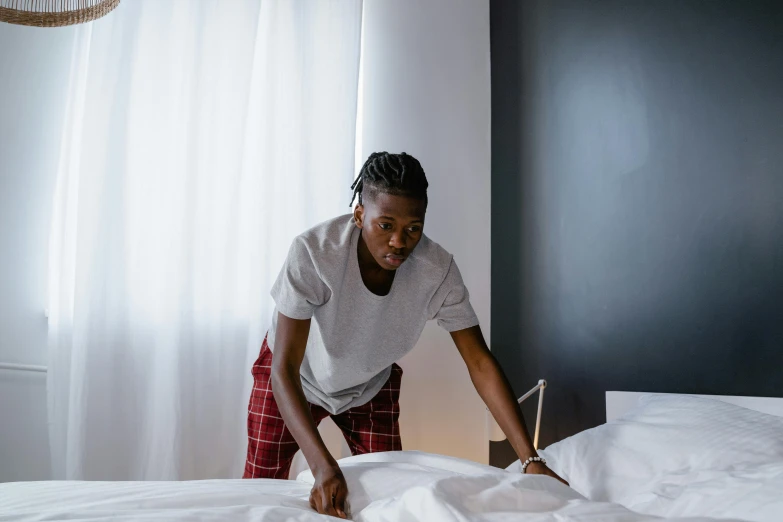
(451, 302)
(299, 290)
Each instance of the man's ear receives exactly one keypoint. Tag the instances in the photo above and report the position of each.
(358, 215)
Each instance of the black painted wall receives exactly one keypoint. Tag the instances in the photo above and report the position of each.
(637, 200)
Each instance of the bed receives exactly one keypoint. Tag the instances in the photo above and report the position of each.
(400, 486)
(661, 458)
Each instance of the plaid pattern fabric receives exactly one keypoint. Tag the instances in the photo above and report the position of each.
(271, 448)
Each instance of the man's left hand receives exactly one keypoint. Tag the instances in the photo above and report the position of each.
(537, 468)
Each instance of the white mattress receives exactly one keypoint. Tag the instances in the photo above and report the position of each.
(401, 486)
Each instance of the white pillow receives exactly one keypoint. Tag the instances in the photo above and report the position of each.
(664, 434)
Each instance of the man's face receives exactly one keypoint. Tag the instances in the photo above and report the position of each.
(391, 226)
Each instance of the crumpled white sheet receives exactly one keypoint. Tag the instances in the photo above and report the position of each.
(399, 487)
(750, 492)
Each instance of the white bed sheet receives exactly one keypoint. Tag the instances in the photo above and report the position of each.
(400, 487)
(753, 493)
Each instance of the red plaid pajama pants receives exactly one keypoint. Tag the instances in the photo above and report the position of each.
(271, 448)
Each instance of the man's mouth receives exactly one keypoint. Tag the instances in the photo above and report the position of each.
(395, 259)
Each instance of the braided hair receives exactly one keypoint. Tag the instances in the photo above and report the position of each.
(396, 174)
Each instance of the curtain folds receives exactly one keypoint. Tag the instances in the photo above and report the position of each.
(198, 141)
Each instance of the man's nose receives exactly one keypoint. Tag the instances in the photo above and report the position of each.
(397, 240)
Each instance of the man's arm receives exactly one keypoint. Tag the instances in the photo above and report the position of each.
(330, 490)
(493, 387)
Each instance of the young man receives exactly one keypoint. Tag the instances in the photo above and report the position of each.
(352, 299)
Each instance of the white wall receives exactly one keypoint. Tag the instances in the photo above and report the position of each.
(426, 92)
(426, 85)
(33, 79)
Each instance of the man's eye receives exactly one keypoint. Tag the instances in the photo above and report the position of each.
(414, 229)
(385, 226)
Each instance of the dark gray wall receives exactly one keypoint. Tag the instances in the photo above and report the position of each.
(637, 200)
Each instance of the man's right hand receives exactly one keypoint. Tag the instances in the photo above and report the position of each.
(329, 492)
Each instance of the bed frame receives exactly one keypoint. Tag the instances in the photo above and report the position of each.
(618, 403)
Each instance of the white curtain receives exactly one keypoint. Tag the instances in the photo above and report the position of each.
(200, 138)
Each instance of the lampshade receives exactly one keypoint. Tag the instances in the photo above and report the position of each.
(53, 13)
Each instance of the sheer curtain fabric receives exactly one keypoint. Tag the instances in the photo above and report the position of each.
(199, 140)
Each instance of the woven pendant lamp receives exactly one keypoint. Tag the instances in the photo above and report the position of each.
(53, 13)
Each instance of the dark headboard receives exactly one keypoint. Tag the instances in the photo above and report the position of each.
(637, 200)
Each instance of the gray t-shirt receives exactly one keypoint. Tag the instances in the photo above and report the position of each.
(355, 335)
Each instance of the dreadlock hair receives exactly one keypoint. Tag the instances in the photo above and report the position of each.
(396, 174)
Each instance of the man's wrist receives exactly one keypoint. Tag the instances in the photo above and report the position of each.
(325, 466)
(532, 462)
(527, 452)
(522, 445)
